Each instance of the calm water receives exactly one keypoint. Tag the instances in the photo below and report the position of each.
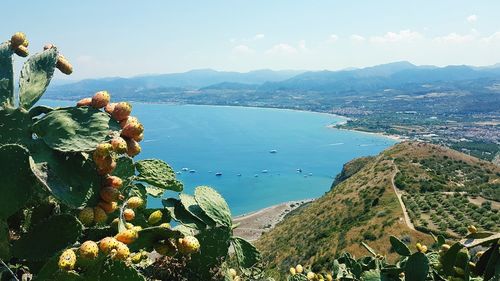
(237, 141)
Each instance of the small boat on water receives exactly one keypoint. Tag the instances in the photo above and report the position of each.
(178, 173)
(218, 174)
(239, 175)
(299, 170)
(265, 171)
(185, 169)
(272, 151)
(310, 174)
(256, 175)
(192, 171)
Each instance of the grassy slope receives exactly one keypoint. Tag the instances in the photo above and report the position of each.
(363, 207)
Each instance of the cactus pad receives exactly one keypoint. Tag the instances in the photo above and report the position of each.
(35, 77)
(48, 237)
(212, 203)
(157, 173)
(74, 129)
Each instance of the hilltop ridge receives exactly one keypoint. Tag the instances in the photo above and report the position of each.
(363, 206)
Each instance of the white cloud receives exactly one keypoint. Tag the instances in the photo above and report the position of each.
(258, 36)
(472, 18)
(333, 38)
(455, 38)
(495, 37)
(357, 38)
(243, 49)
(403, 35)
(282, 49)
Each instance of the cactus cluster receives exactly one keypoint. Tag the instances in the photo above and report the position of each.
(74, 203)
(459, 262)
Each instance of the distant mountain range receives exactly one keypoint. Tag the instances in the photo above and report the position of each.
(376, 77)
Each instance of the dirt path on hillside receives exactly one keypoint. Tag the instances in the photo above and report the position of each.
(399, 194)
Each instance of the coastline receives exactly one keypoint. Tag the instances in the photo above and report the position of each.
(393, 137)
(253, 225)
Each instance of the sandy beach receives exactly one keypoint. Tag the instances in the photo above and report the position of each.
(394, 137)
(253, 225)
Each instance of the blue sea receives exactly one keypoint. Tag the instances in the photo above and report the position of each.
(237, 143)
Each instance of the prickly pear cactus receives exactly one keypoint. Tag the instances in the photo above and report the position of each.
(440, 262)
(74, 203)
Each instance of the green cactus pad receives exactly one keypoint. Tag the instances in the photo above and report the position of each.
(50, 272)
(151, 235)
(449, 258)
(157, 173)
(116, 270)
(399, 247)
(4, 241)
(124, 168)
(38, 110)
(180, 214)
(35, 77)
(18, 180)
(371, 275)
(297, 277)
(6, 75)
(212, 203)
(70, 177)
(48, 237)
(15, 126)
(75, 129)
(194, 209)
(417, 267)
(246, 253)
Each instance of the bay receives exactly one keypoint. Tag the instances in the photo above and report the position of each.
(200, 141)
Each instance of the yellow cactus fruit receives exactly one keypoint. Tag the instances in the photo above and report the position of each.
(122, 251)
(128, 214)
(165, 225)
(88, 250)
(17, 40)
(311, 275)
(107, 244)
(86, 216)
(67, 260)
(293, 271)
(329, 277)
(127, 236)
(135, 202)
(136, 258)
(188, 245)
(84, 102)
(103, 149)
(472, 229)
(155, 217)
(100, 216)
(299, 268)
(137, 228)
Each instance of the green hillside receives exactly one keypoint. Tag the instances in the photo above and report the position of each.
(365, 205)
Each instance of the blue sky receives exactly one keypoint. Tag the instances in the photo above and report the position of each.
(126, 38)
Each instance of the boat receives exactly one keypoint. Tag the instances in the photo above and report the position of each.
(265, 171)
(272, 151)
(239, 175)
(185, 169)
(218, 174)
(256, 175)
(299, 170)
(178, 173)
(310, 174)
(192, 171)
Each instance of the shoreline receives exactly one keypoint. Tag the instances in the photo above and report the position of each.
(252, 225)
(393, 137)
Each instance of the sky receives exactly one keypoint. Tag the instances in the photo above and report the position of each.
(126, 38)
